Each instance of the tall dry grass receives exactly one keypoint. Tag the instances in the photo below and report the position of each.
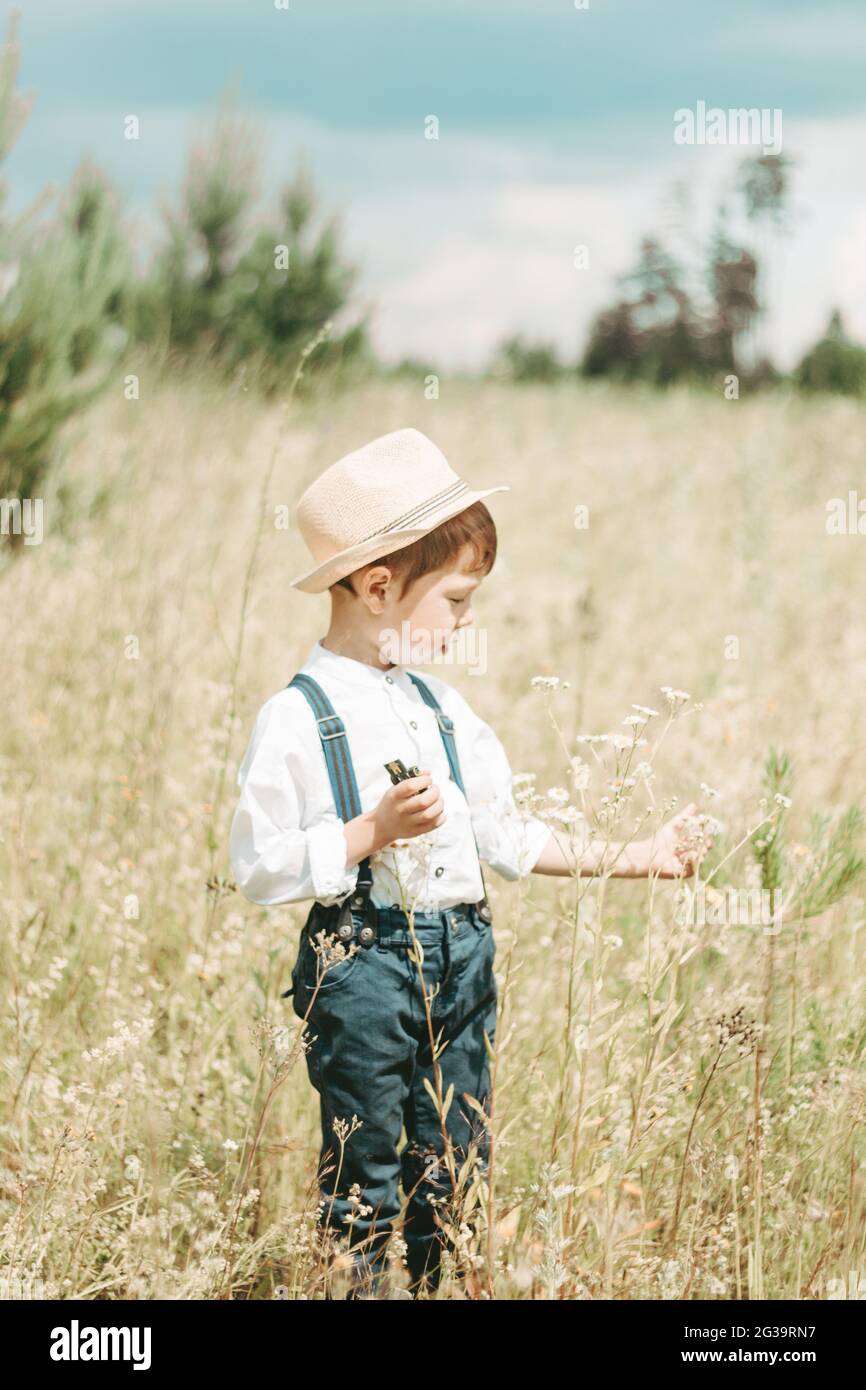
(678, 1110)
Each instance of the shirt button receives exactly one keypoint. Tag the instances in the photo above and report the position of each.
(440, 871)
(390, 680)
(412, 724)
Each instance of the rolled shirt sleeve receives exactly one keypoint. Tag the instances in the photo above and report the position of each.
(508, 839)
(273, 858)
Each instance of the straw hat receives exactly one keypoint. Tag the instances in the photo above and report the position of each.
(379, 498)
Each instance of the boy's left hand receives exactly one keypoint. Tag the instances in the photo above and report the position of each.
(675, 850)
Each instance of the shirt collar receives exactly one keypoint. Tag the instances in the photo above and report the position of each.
(346, 668)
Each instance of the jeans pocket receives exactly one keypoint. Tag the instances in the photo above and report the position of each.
(490, 948)
(295, 992)
(481, 983)
(321, 973)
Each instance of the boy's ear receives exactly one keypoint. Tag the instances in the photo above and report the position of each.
(374, 586)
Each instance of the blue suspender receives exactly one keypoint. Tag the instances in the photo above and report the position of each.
(332, 732)
(446, 728)
(338, 759)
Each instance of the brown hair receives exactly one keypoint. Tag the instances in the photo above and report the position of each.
(473, 526)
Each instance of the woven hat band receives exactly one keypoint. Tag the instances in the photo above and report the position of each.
(417, 515)
(400, 485)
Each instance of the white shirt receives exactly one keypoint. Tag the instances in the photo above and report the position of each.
(287, 842)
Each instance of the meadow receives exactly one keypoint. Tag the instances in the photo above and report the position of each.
(678, 1106)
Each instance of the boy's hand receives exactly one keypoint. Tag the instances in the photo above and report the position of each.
(676, 849)
(409, 808)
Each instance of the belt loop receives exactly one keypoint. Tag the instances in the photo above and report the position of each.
(481, 915)
(382, 914)
(480, 921)
(446, 949)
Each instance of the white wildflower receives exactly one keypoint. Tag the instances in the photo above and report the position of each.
(548, 683)
(618, 784)
(672, 695)
(125, 1037)
(580, 773)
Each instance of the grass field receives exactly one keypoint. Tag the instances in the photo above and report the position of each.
(678, 1109)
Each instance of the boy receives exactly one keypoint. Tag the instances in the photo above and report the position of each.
(401, 543)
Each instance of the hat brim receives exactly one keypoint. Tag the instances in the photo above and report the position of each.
(316, 581)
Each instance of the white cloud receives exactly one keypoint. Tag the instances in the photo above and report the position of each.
(506, 263)
(465, 240)
(501, 260)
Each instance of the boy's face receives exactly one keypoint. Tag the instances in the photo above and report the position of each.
(435, 606)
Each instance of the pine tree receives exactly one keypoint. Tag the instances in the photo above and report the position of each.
(61, 289)
(243, 290)
(289, 284)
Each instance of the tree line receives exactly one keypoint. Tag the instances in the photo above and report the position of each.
(701, 320)
(246, 290)
(241, 289)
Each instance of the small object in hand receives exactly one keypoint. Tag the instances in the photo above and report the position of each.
(398, 771)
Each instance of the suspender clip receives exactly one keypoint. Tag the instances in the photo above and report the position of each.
(327, 719)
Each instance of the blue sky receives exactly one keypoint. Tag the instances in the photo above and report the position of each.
(555, 130)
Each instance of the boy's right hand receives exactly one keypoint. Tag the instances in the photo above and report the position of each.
(409, 808)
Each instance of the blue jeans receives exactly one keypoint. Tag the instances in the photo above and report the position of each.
(369, 1057)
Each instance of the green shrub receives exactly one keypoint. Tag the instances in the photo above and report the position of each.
(61, 300)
